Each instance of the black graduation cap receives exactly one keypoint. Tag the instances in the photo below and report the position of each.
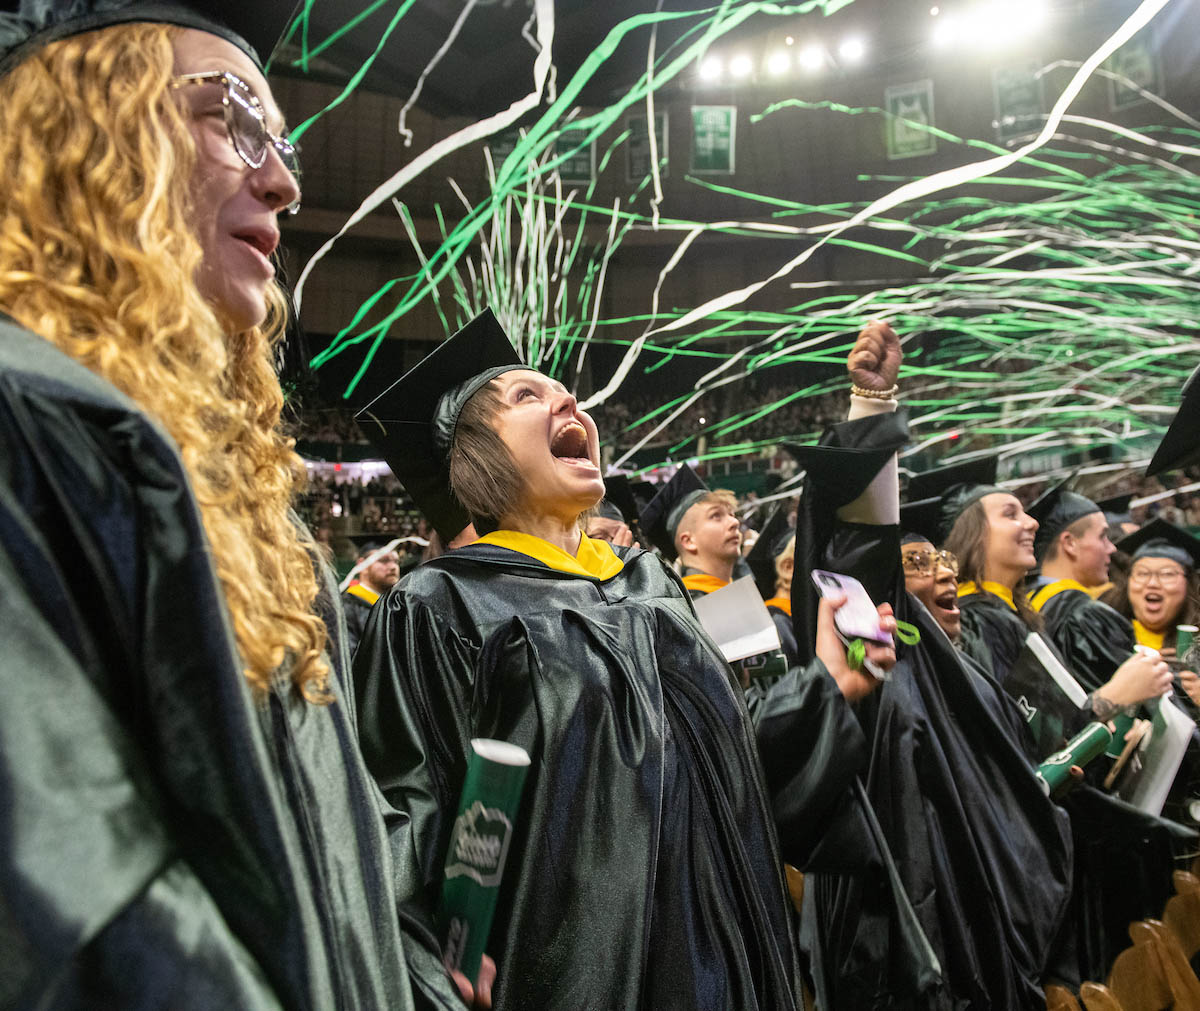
(412, 422)
(629, 497)
(1160, 539)
(937, 497)
(1180, 445)
(773, 538)
(1116, 509)
(1055, 510)
(935, 482)
(607, 509)
(660, 519)
(254, 26)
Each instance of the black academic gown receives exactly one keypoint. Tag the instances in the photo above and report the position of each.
(357, 611)
(993, 633)
(982, 856)
(1092, 638)
(787, 635)
(168, 840)
(1123, 856)
(644, 870)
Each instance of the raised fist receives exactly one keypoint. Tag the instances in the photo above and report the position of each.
(874, 361)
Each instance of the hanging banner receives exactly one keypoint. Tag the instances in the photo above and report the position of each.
(637, 148)
(714, 138)
(910, 107)
(1017, 100)
(578, 167)
(1137, 61)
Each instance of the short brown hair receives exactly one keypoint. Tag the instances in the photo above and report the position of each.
(483, 474)
(1076, 529)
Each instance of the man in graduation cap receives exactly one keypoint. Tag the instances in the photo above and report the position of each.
(644, 870)
(188, 821)
(1073, 549)
(700, 527)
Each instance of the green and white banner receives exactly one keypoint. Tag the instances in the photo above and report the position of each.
(909, 107)
(1136, 62)
(1018, 100)
(714, 139)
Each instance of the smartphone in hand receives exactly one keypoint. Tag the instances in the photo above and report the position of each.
(858, 618)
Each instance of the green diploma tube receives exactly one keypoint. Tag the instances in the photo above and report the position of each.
(1184, 634)
(1079, 750)
(479, 842)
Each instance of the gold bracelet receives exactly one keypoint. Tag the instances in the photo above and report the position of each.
(858, 391)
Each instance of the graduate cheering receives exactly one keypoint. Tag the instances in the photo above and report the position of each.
(644, 870)
(980, 857)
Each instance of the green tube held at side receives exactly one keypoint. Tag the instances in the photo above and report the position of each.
(479, 844)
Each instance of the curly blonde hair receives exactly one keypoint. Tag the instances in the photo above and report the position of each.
(97, 256)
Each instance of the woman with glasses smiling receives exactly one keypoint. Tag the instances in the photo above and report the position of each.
(1162, 590)
(187, 819)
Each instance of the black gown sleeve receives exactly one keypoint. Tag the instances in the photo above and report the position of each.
(98, 907)
(413, 679)
(1093, 639)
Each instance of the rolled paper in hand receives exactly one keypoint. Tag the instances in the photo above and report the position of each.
(1079, 750)
(1184, 634)
(479, 842)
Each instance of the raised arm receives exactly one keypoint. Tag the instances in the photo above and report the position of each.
(874, 366)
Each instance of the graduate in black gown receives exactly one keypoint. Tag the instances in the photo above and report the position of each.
(1073, 549)
(1122, 855)
(645, 870)
(983, 859)
(187, 821)
(771, 561)
(698, 527)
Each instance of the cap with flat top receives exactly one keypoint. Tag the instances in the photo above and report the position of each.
(412, 422)
(630, 497)
(939, 496)
(1055, 510)
(1180, 445)
(776, 533)
(935, 482)
(254, 27)
(662, 515)
(1116, 508)
(1160, 539)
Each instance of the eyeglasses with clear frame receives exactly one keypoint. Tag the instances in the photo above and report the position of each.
(246, 124)
(922, 563)
(1165, 577)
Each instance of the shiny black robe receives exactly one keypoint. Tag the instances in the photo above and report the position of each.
(357, 611)
(1092, 638)
(1123, 857)
(168, 841)
(644, 870)
(993, 633)
(983, 857)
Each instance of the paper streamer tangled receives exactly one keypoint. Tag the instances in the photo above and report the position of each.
(1054, 303)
